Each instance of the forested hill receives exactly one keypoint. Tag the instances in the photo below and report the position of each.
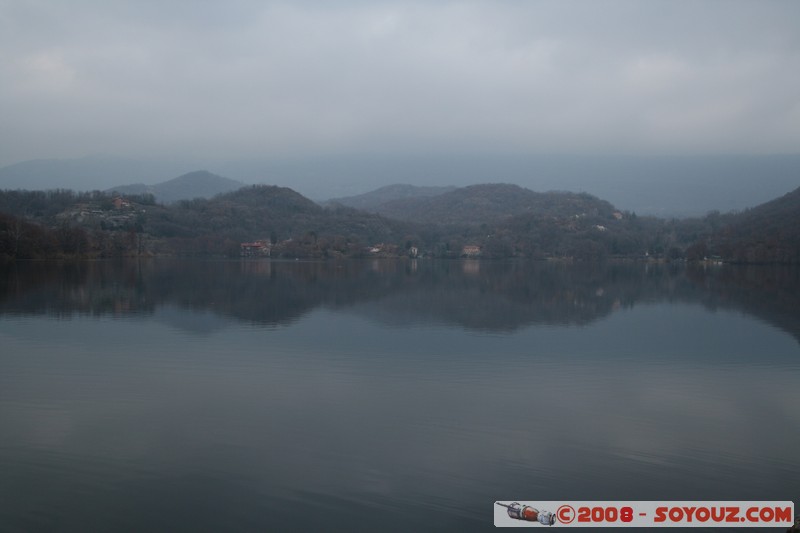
(781, 216)
(491, 203)
(769, 232)
(278, 200)
(260, 212)
(491, 221)
(247, 214)
(52, 223)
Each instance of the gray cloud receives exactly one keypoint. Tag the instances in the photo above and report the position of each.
(251, 78)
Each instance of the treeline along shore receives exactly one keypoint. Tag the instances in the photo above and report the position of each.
(490, 221)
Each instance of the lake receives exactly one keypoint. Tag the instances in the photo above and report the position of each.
(383, 395)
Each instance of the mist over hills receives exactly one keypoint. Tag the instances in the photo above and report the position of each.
(374, 200)
(87, 173)
(658, 185)
(198, 184)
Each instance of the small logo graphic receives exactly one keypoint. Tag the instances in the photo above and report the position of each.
(529, 514)
(565, 514)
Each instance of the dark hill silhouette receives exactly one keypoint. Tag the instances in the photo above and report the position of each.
(769, 232)
(270, 212)
(779, 215)
(284, 199)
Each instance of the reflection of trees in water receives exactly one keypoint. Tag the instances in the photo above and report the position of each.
(63, 288)
(769, 292)
(494, 296)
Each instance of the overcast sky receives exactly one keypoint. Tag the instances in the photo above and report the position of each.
(258, 78)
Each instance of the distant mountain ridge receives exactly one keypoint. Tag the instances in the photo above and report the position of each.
(665, 186)
(373, 200)
(85, 173)
(489, 203)
(198, 184)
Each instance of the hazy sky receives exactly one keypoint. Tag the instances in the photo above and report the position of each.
(258, 78)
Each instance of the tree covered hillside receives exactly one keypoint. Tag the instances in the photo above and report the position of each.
(769, 232)
(115, 225)
(490, 221)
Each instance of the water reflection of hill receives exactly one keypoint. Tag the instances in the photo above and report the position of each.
(489, 296)
(770, 293)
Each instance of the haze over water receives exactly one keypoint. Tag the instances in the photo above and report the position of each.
(387, 395)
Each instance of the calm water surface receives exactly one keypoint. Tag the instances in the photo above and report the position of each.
(363, 395)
